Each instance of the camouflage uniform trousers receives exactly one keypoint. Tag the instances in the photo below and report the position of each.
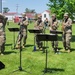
(66, 37)
(22, 38)
(39, 43)
(55, 45)
(2, 43)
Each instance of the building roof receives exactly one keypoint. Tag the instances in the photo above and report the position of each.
(10, 13)
(30, 15)
(48, 11)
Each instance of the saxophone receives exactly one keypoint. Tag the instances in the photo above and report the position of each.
(63, 24)
(63, 27)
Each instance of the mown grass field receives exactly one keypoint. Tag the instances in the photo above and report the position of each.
(34, 62)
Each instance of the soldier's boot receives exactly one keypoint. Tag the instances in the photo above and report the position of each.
(18, 46)
(24, 43)
(23, 46)
(40, 46)
(68, 51)
(37, 48)
(56, 50)
(64, 44)
(2, 51)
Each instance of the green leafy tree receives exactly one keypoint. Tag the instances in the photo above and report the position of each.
(6, 9)
(61, 6)
(27, 10)
(33, 11)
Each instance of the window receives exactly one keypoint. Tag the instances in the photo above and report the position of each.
(44, 15)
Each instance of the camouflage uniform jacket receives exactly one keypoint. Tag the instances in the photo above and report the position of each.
(53, 25)
(23, 25)
(38, 25)
(67, 26)
(2, 27)
(1, 34)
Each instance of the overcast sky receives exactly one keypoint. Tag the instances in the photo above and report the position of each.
(38, 5)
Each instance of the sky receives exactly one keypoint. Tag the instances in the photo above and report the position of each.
(38, 5)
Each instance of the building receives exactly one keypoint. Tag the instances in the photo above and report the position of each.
(10, 15)
(45, 14)
(30, 15)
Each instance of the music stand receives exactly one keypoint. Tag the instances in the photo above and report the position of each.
(56, 32)
(34, 31)
(47, 37)
(13, 30)
(20, 67)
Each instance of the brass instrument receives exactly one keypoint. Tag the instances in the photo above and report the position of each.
(40, 26)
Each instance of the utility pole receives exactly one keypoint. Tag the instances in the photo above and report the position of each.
(0, 6)
(17, 8)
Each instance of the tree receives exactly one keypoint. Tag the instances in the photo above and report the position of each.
(61, 6)
(71, 7)
(33, 11)
(27, 10)
(6, 9)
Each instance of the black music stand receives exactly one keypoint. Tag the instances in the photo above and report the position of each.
(55, 32)
(44, 30)
(20, 67)
(47, 37)
(13, 30)
(34, 31)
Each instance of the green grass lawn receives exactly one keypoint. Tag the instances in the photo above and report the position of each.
(34, 62)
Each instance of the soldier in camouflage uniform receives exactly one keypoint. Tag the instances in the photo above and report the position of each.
(3, 21)
(39, 25)
(23, 31)
(67, 31)
(53, 25)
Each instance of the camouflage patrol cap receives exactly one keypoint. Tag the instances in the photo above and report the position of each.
(23, 14)
(65, 14)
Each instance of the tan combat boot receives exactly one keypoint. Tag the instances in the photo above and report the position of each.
(18, 46)
(68, 51)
